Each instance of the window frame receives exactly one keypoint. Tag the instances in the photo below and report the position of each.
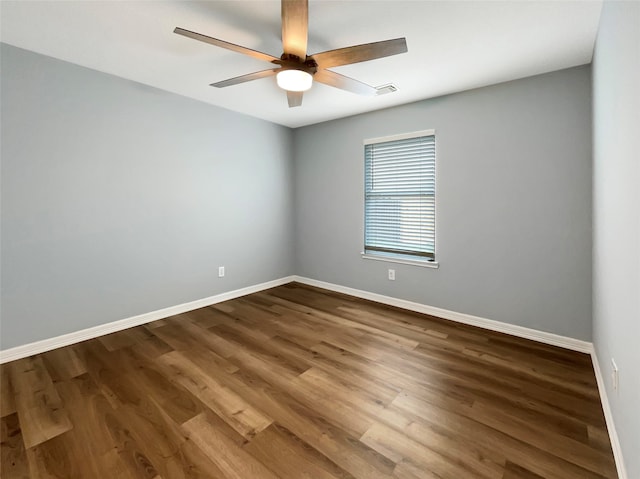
(409, 259)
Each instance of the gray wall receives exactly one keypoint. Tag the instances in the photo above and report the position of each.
(513, 203)
(616, 216)
(119, 199)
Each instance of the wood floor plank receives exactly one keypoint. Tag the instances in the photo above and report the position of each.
(153, 379)
(123, 339)
(330, 439)
(152, 347)
(564, 381)
(476, 380)
(534, 434)
(460, 424)
(239, 414)
(111, 374)
(206, 317)
(398, 447)
(421, 333)
(201, 344)
(64, 363)
(343, 321)
(41, 412)
(244, 312)
(234, 462)
(385, 391)
(186, 335)
(89, 440)
(13, 461)
(599, 439)
(350, 390)
(513, 471)
(475, 372)
(50, 460)
(295, 326)
(291, 458)
(129, 451)
(7, 398)
(351, 419)
(406, 469)
(286, 365)
(299, 382)
(90, 448)
(478, 461)
(560, 356)
(365, 407)
(166, 445)
(422, 386)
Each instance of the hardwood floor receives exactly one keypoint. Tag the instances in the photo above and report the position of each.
(298, 382)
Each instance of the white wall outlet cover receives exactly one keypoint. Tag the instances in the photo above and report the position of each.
(392, 274)
(220, 271)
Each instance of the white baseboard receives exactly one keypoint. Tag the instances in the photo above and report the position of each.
(38, 347)
(520, 331)
(608, 416)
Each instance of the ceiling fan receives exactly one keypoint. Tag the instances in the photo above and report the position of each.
(296, 71)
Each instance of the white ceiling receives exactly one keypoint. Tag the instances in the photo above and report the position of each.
(453, 46)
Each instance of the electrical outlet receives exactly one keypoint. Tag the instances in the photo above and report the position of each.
(392, 274)
(220, 271)
(615, 380)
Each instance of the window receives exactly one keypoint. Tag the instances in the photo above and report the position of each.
(400, 203)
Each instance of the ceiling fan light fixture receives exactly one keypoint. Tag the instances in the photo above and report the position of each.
(294, 80)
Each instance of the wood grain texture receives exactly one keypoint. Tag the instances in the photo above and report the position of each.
(14, 459)
(295, 26)
(298, 382)
(40, 410)
(229, 46)
(7, 402)
(294, 98)
(360, 53)
(337, 80)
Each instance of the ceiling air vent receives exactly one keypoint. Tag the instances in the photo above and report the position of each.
(384, 89)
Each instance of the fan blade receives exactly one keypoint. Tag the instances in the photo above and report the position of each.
(295, 27)
(360, 53)
(344, 83)
(294, 98)
(245, 78)
(229, 46)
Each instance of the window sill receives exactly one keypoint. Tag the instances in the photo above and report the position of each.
(390, 259)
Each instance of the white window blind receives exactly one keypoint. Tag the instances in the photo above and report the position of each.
(400, 187)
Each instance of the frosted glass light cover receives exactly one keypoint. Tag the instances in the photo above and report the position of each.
(294, 80)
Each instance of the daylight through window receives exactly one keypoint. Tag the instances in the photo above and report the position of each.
(400, 204)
